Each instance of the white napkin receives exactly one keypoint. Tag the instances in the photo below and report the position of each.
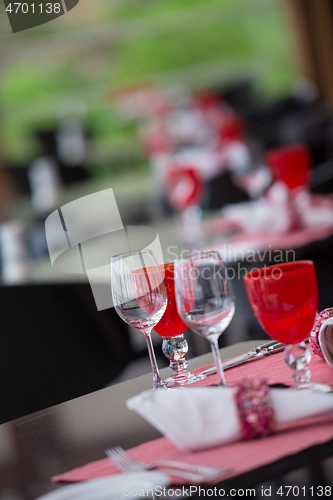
(325, 338)
(201, 417)
(269, 215)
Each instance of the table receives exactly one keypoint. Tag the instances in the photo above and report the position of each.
(52, 441)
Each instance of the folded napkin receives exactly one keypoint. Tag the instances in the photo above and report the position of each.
(315, 209)
(197, 418)
(271, 214)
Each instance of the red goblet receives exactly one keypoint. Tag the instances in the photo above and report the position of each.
(291, 165)
(184, 189)
(171, 327)
(284, 299)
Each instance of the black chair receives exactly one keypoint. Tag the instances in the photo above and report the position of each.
(56, 346)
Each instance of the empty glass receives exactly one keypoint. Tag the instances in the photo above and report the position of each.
(139, 296)
(205, 300)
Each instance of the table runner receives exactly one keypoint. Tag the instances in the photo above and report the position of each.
(242, 456)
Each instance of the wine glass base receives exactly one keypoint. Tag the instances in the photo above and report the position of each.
(312, 387)
(179, 381)
(159, 385)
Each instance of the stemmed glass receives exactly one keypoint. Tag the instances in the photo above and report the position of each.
(184, 189)
(284, 299)
(171, 327)
(292, 165)
(139, 296)
(205, 300)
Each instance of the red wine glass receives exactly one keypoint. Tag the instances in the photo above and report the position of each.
(171, 327)
(291, 165)
(185, 189)
(284, 299)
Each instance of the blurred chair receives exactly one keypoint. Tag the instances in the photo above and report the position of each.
(222, 190)
(56, 346)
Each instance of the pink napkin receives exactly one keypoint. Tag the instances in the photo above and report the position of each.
(239, 456)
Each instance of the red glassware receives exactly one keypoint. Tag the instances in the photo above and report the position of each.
(291, 165)
(171, 327)
(184, 187)
(284, 299)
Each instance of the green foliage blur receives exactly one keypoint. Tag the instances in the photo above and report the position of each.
(104, 44)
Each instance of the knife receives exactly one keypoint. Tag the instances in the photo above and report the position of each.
(254, 353)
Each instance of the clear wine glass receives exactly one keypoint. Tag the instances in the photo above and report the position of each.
(205, 300)
(284, 299)
(171, 327)
(139, 296)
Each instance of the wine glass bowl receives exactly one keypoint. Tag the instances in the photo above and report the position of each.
(205, 299)
(139, 296)
(171, 327)
(292, 165)
(171, 324)
(284, 299)
(184, 189)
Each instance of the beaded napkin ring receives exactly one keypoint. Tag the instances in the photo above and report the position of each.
(255, 410)
(313, 339)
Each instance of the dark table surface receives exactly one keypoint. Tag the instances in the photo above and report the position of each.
(52, 441)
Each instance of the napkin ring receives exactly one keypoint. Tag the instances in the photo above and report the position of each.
(255, 409)
(313, 339)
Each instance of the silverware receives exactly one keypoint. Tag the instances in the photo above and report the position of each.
(255, 353)
(126, 463)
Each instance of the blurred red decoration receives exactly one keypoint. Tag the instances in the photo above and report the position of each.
(232, 128)
(184, 187)
(291, 165)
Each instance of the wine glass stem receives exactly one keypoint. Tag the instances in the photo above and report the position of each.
(157, 381)
(218, 363)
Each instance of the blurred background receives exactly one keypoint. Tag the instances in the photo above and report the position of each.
(212, 122)
(75, 67)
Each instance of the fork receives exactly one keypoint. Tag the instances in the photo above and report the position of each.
(191, 472)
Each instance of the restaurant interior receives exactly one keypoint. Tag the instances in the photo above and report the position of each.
(204, 125)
